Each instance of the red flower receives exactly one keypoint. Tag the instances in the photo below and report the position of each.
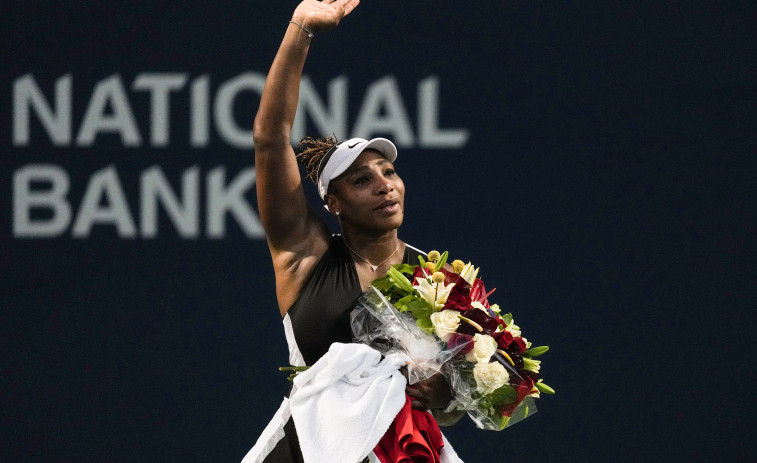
(451, 277)
(488, 323)
(461, 286)
(520, 343)
(458, 340)
(420, 272)
(457, 301)
(523, 389)
(504, 338)
(478, 293)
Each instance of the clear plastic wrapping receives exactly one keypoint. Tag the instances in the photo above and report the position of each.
(469, 399)
(377, 323)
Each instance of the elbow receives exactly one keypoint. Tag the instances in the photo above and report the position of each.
(267, 135)
(261, 133)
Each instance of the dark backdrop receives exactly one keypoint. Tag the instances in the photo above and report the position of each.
(605, 189)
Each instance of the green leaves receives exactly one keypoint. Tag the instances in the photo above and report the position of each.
(294, 371)
(395, 284)
(535, 351)
(544, 388)
(405, 268)
(420, 309)
(442, 260)
(425, 324)
(400, 280)
(502, 396)
(383, 284)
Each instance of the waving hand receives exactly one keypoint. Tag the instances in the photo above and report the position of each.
(319, 16)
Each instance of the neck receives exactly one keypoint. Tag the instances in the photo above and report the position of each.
(373, 247)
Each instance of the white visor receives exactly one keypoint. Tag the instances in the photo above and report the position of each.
(345, 154)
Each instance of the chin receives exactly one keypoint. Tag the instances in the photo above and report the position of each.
(381, 223)
(392, 223)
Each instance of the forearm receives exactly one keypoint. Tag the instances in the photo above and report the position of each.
(278, 103)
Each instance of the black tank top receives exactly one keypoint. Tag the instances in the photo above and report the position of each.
(321, 314)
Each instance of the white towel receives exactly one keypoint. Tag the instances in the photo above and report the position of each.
(345, 402)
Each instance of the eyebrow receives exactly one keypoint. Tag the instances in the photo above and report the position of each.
(349, 173)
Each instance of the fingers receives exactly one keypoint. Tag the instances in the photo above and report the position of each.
(338, 8)
(349, 5)
(431, 393)
(415, 405)
(417, 399)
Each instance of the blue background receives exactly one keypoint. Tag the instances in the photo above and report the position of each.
(606, 191)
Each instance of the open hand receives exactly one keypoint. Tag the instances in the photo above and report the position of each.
(318, 16)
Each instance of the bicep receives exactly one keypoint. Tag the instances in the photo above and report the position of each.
(284, 212)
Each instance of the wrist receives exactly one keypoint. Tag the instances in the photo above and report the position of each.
(303, 28)
(305, 20)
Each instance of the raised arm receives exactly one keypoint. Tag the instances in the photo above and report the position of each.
(288, 223)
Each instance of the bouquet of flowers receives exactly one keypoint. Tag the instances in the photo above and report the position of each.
(443, 321)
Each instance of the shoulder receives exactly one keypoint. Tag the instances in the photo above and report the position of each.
(412, 253)
(413, 249)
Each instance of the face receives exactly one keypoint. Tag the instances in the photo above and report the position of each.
(369, 195)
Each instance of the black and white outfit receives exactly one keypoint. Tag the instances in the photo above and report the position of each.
(318, 318)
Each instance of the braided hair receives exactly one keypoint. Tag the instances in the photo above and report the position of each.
(311, 152)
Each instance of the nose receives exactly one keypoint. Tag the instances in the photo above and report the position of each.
(384, 186)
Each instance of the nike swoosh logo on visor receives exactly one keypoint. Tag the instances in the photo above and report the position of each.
(352, 146)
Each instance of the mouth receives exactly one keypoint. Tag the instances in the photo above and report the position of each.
(387, 206)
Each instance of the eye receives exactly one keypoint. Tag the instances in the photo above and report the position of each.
(389, 172)
(361, 180)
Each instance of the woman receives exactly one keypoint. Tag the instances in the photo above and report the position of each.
(319, 276)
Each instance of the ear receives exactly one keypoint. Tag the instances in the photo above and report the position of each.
(332, 204)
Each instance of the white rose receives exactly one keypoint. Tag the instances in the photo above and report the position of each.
(490, 376)
(484, 346)
(445, 323)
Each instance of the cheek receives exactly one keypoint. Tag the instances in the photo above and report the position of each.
(355, 202)
(400, 186)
